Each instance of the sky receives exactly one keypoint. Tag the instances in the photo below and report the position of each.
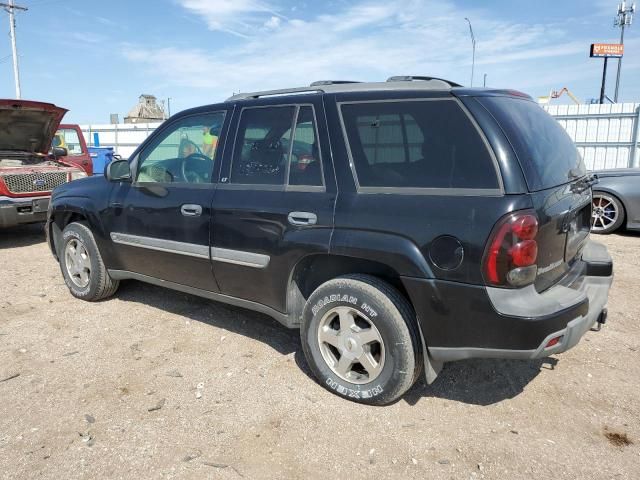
(96, 57)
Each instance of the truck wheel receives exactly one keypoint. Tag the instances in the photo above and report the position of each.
(82, 266)
(359, 336)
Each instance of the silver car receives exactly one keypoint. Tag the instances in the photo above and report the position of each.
(616, 200)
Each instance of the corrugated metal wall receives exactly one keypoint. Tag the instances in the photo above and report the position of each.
(606, 135)
(123, 137)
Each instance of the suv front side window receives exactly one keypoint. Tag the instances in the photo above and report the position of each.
(184, 153)
(417, 144)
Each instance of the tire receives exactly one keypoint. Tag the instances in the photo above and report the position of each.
(361, 318)
(607, 213)
(82, 266)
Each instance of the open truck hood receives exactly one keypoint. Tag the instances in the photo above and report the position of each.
(27, 126)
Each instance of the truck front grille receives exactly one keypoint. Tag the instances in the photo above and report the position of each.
(34, 182)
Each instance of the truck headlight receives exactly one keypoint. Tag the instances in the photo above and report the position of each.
(76, 175)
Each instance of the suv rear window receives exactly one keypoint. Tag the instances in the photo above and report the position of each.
(417, 144)
(547, 154)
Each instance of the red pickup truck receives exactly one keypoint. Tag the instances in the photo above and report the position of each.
(29, 171)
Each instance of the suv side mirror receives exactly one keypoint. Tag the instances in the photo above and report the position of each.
(58, 152)
(118, 171)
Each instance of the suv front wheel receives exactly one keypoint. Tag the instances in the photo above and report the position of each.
(82, 266)
(360, 338)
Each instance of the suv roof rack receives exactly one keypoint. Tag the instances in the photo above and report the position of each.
(338, 86)
(411, 78)
(332, 82)
(273, 93)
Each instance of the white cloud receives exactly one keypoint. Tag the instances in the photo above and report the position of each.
(361, 40)
(232, 16)
(273, 23)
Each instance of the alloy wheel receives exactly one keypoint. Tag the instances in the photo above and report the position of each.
(604, 213)
(78, 263)
(351, 345)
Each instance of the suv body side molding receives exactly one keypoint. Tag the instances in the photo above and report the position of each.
(161, 245)
(238, 257)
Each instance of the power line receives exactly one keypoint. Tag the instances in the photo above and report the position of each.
(11, 8)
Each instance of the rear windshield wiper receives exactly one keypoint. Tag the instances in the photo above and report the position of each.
(585, 183)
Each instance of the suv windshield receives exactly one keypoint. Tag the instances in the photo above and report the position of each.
(547, 154)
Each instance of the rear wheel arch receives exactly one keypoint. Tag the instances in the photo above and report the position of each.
(314, 270)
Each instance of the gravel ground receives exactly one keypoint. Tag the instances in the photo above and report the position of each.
(158, 384)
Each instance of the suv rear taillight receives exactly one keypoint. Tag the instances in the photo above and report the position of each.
(512, 252)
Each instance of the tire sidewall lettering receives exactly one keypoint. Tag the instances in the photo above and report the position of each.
(349, 392)
(348, 300)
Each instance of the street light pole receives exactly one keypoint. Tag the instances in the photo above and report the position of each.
(622, 20)
(10, 8)
(473, 44)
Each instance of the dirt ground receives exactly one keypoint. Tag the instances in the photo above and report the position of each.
(158, 384)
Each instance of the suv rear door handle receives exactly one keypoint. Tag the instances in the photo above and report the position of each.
(191, 210)
(302, 218)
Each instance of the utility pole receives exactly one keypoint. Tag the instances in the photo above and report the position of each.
(10, 8)
(623, 19)
(169, 106)
(473, 44)
(484, 82)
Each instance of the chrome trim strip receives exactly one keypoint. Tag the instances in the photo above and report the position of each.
(27, 200)
(238, 257)
(161, 245)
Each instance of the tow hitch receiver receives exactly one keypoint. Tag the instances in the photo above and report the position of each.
(602, 319)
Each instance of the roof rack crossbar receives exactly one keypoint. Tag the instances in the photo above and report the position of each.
(272, 93)
(410, 78)
(332, 82)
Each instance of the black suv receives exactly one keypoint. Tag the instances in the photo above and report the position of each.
(398, 224)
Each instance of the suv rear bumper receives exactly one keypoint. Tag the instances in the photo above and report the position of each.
(485, 322)
(18, 211)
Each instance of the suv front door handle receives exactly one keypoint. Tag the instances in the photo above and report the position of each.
(191, 210)
(302, 218)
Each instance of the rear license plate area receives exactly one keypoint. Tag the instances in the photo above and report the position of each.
(578, 227)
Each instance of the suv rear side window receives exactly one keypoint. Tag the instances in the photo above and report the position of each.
(262, 146)
(265, 152)
(547, 154)
(305, 154)
(417, 144)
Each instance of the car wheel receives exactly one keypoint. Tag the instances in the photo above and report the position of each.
(360, 338)
(82, 266)
(607, 213)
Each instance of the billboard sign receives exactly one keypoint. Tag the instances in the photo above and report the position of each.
(614, 50)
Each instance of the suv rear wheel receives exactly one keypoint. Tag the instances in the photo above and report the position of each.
(82, 266)
(360, 339)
